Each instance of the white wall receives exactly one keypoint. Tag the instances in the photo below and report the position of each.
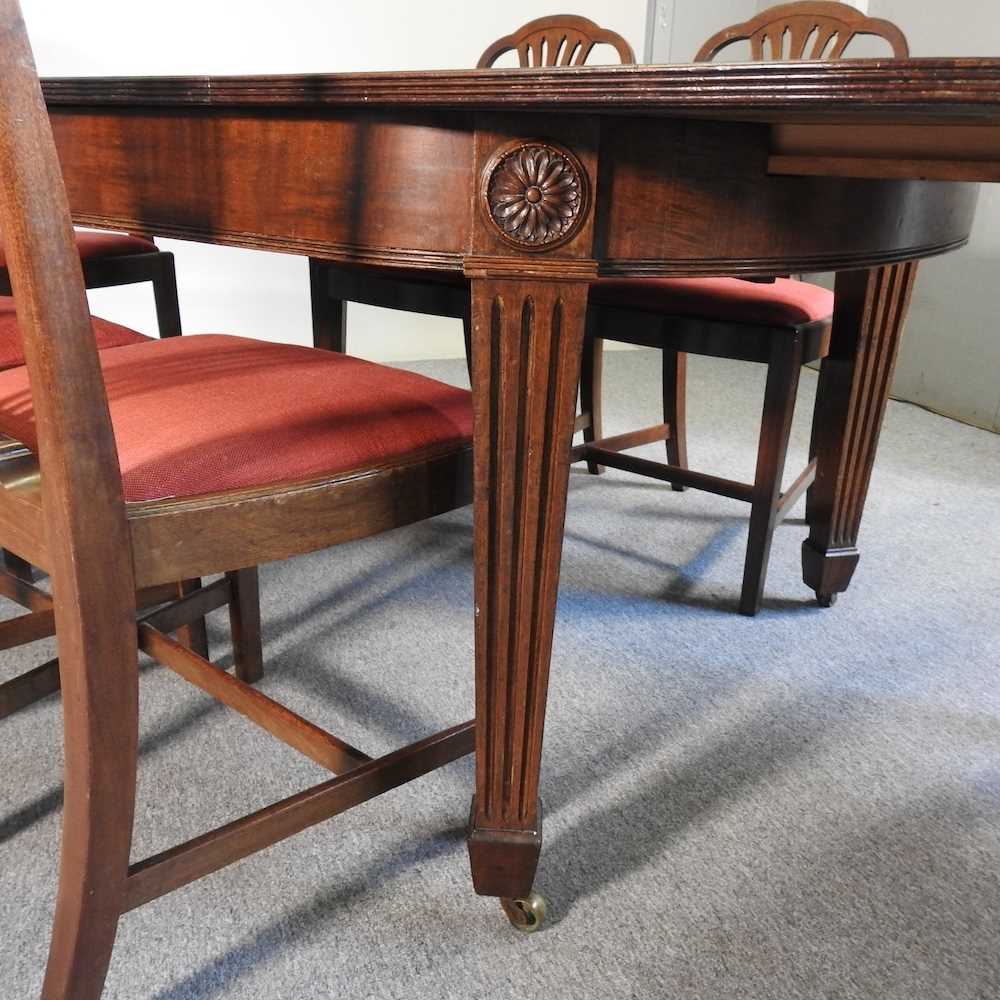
(950, 361)
(266, 295)
(950, 358)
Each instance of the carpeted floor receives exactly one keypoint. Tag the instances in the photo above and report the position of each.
(804, 805)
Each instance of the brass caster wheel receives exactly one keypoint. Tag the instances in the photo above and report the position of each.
(526, 914)
(826, 600)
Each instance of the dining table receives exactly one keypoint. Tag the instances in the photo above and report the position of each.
(857, 167)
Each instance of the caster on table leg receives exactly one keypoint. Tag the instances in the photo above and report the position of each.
(527, 914)
(826, 600)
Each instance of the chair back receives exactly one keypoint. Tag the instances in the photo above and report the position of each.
(81, 483)
(560, 40)
(806, 30)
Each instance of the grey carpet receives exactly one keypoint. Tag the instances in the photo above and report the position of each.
(802, 805)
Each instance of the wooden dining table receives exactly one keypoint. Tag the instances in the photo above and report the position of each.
(856, 167)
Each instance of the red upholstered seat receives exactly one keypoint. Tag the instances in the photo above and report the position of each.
(780, 303)
(92, 245)
(12, 349)
(206, 414)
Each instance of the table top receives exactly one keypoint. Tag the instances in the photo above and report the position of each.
(945, 91)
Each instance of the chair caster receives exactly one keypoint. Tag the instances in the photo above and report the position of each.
(826, 600)
(526, 914)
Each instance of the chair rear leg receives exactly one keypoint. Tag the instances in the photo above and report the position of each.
(675, 410)
(195, 635)
(244, 619)
(168, 310)
(329, 315)
(776, 425)
(591, 378)
(100, 710)
(467, 334)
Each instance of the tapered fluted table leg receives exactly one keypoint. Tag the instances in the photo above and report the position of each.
(527, 339)
(855, 378)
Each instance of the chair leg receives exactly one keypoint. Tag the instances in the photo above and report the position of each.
(100, 676)
(675, 410)
(244, 619)
(168, 310)
(591, 378)
(779, 405)
(329, 315)
(195, 635)
(467, 333)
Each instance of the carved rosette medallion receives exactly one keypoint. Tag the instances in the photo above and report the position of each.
(535, 194)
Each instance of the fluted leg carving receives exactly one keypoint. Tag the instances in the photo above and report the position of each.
(527, 339)
(854, 384)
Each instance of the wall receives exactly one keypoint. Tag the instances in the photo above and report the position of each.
(950, 358)
(266, 295)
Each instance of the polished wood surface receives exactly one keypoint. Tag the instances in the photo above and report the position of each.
(408, 206)
(947, 92)
(851, 398)
(406, 151)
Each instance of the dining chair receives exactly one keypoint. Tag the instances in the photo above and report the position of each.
(175, 459)
(112, 259)
(106, 334)
(782, 324)
(17, 576)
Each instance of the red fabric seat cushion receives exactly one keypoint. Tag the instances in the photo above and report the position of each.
(12, 350)
(91, 245)
(206, 414)
(780, 303)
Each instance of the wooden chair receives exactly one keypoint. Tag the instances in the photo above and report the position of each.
(783, 324)
(288, 450)
(112, 259)
(17, 578)
(562, 40)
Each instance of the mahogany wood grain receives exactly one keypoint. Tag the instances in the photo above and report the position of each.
(956, 153)
(528, 316)
(661, 178)
(853, 389)
(198, 536)
(84, 518)
(527, 339)
(943, 91)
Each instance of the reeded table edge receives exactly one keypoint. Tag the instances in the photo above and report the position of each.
(914, 90)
